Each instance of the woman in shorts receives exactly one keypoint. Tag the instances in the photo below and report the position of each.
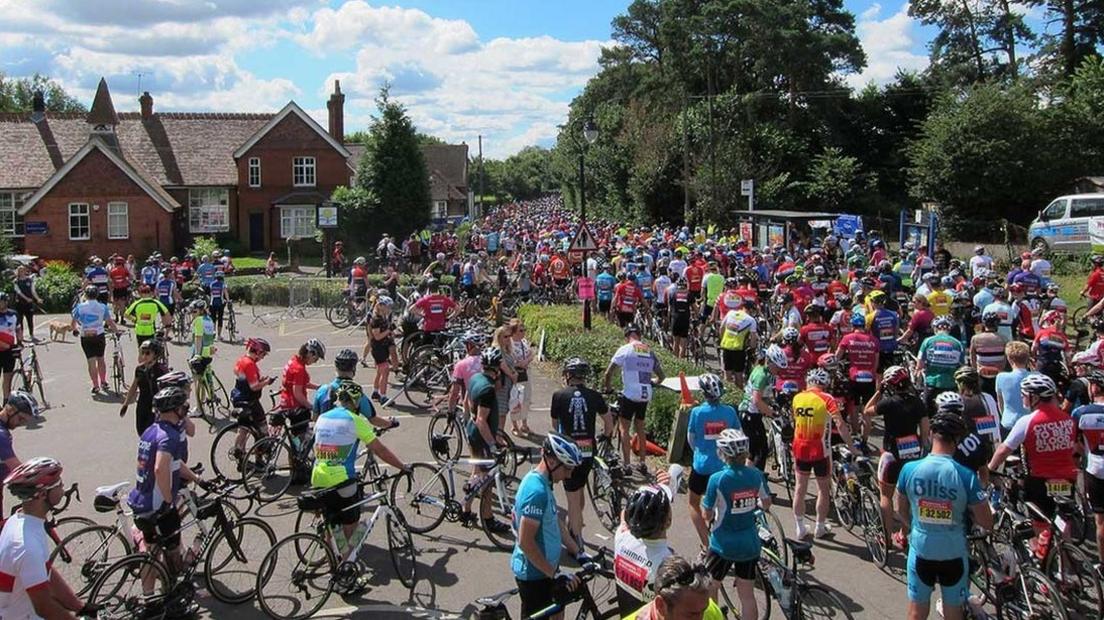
(381, 345)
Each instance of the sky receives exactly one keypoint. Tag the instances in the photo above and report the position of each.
(503, 69)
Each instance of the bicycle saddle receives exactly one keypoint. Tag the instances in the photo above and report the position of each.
(799, 546)
(113, 489)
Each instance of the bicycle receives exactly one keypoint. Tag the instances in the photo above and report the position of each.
(607, 482)
(277, 461)
(428, 497)
(495, 606)
(181, 333)
(780, 431)
(211, 395)
(299, 573)
(29, 372)
(142, 584)
(231, 318)
(118, 364)
(856, 503)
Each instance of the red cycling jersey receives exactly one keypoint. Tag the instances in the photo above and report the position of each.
(626, 295)
(792, 377)
(120, 277)
(860, 351)
(817, 338)
(693, 275)
(295, 374)
(435, 309)
(1048, 437)
(729, 300)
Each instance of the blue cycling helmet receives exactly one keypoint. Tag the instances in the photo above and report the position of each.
(858, 320)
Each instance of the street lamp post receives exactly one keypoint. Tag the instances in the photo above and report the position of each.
(590, 134)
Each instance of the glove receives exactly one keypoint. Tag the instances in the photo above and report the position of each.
(394, 423)
(584, 558)
(206, 485)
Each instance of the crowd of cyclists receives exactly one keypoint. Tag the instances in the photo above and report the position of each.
(957, 381)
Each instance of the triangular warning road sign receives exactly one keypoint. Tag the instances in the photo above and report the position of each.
(583, 241)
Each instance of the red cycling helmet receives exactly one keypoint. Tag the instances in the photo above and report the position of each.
(258, 345)
(896, 376)
(31, 478)
(828, 361)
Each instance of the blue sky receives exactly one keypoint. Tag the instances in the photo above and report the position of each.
(506, 69)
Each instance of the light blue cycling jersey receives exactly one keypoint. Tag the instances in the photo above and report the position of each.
(92, 316)
(734, 493)
(324, 400)
(535, 500)
(707, 420)
(206, 273)
(604, 283)
(940, 492)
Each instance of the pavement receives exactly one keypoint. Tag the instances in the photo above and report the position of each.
(455, 565)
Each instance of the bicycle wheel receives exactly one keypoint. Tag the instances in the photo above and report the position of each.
(777, 536)
(231, 324)
(843, 504)
(226, 456)
(448, 432)
(66, 526)
(295, 578)
(403, 554)
(266, 469)
(36, 378)
(816, 601)
(514, 455)
(220, 396)
(134, 587)
(873, 528)
(500, 527)
(730, 603)
(338, 314)
(1031, 597)
(1071, 569)
(85, 554)
(422, 497)
(603, 496)
(118, 375)
(231, 566)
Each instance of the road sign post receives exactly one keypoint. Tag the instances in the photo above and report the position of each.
(747, 188)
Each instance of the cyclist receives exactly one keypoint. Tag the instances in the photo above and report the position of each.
(482, 430)
(29, 588)
(574, 412)
(935, 498)
(144, 384)
(1090, 431)
(603, 285)
(738, 336)
(906, 433)
(540, 536)
(682, 591)
(20, 408)
(249, 386)
(640, 373)
(220, 296)
(1049, 438)
(96, 276)
(203, 340)
(294, 401)
(858, 351)
(979, 411)
(120, 287)
(732, 497)
(640, 544)
(987, 352)
(337, 436)
(381, 345)
(205, 272)
(939, 357)
(707, 421)
(813, 411)
(757, 402)
(435, 310)
(11, 340)
(469, 366)
(626, 300)
(1051, 345)
(884, 325)
(90, 318)
(345, 366)
(145, 311)
(681, 307)
(1094, 284)
(1008, 385)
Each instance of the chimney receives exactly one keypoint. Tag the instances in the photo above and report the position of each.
(146, 101)
(38, 106)
(336, 106)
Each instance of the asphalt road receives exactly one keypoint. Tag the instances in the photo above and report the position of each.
(455, 565)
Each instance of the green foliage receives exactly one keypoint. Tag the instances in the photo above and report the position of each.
(17, 95)
(57, 285)
(525, 175)
(263, 290)
(203, 246)
(837, 181)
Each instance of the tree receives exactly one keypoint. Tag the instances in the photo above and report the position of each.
(837, 181)
(392, 193)
(17, 95)
(1079, 35)
(977, 39)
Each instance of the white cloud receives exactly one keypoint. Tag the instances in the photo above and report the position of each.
(889, 45)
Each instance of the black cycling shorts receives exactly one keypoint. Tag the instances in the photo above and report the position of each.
(164, 531)
(719, 568)
(818, 468)
(1095, 488)
(7, 363)
(860, 392)
(535, 594)
(93, 346)
(631, 409)
(578, 477)
(680, 325)
(734, 360)
(337, 502)
(381, 351)
(1035, 490)
(697, 482)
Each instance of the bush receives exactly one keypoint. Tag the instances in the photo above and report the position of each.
(203, 246)
(57, 285)
(564, 338)
(323, 292)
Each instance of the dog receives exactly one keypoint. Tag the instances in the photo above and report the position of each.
(59, 330)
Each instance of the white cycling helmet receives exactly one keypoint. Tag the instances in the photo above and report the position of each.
(1038, 384)
(563, 449)
(732, 443)
(777, 356)
(949, 401)
(818, 376)
(711, 386)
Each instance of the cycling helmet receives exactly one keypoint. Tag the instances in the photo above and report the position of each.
(732, 443)
(1086, 358)
(177, 378)
(947, 282)
(949, 401)
(948, 424)
(348, 391)
(711, 386)
(858, 320)
(731, 282)
(979, 250)
(818, 376)
(23, 402)
(346, 360)
(315, 347)
(632, 328)
(811, 309)
(152, 345)
(431, 283)
(1097, 323)
(169, 399)
(990, 318)
(1016, 287)
(576, 367)
(942, 322)
(91, 291)
(1038, 384)
(896, 377)
(1097, 259)
(775, 355)
(359, 260)
(1053, 286)
(828, 361)
(473, 337)
(790, 335)
(491, 357)
(877, 296)
(1051, 317)
(648, 511)
(1096, 377)
(384, 300)
(39, 474)
(258, 345)
(198, 305)
(967, 375)
(563, 449)
(219, 275)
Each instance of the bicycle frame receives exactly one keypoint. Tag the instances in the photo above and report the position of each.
(381, 510)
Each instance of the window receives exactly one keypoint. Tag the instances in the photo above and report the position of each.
(208, 210)
(11, 223)
(118, 222)
(79, 223)
(254, 172)
(302, 171)
(1087, 207)
(297, 222)
(1056, 210)
(440, 210)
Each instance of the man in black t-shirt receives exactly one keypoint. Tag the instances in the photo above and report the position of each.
(574, 412)
(681, 306)
(979, 410)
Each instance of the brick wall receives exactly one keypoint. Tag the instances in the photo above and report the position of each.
(97, 181)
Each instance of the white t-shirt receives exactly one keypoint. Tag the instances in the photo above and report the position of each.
(663, 288)
(1041, 267)
(635, 562)
(23, 556)
(977, 263)
(678, 266)
(638, 362)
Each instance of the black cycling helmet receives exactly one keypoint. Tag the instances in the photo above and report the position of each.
(949, 425)
(647, 512)
(349, 391)
(491, 357)
(91, 291)
(23, 402)
(346, 360)
(967, 375)
(169, 399)
(576, 367)
(632, 328)
(152, 345)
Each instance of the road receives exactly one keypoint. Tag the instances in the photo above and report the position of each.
(455, 565)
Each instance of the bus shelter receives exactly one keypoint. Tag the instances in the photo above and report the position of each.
(771, 227)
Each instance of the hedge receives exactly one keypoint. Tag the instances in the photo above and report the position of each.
(277, 291)
(564, 337)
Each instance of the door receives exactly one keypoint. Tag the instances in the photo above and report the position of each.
(256, 232)
(1050, 224)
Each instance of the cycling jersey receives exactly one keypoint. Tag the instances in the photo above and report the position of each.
(761, 381)
(812, 410)
(324, 400)
(736, 326)
(635, 563)
(707, 420)
(1005, 318)
(1051, 346)
(694, 275)
(161, 437)
(727, 301)
(149, 275)
(817, 338)
(940, 302)
(791, 379)
(206, 273)
(988, 349)
(884, 326)
(295, 374)
(482, 393)
(166, 289)
(1048, 436)
(246, 373)
(603, 285)
(902, 416)
(24, 566)
(98, 276)
(574, 411)
(939, 492)
(644, 283)
(626, 295)
(663, 288)
(120, 278)
(218, 293)
(647, 612)
(638, 363)
(734, 494)
(859, 351)
(204, 329)
(10, 326)
(680, 304)
(942, 355)
(712, 284)
(536, 501)
(435, 309)
(145, 312)
(91, 316)
(1090, 430)
(337, 436)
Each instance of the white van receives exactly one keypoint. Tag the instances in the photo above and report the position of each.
(1063, 226)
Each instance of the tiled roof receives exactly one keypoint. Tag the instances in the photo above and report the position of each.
(172, 148)
(451, 160)
(103, 110)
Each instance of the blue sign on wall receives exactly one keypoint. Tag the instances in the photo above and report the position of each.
(846, 225)
(37, 228)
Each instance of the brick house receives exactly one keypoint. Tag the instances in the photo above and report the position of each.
(447, 164)
(73, 185)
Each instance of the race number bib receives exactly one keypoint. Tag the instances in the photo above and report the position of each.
(908, 447)
(586, 447)
(987, 426)
(744, 501)
(864, 376)
(1059, 488)
(713, 430)
(630, 574)
(935, 511)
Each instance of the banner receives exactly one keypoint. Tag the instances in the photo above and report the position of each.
(745, 232)
(846, 225)
(776, 235)
(1096, 233)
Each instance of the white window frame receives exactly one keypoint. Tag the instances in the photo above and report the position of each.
(117, 229)
(11, 223)
(208, 210)
(304, 172)
(253, 172)
(87, 215)
(440, 210)
(299, 221)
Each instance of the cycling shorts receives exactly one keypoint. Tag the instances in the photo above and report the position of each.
(579, 475)
(719, 568)
(706, 312)
(889, 468)
(734, 360)
(1035, 491)
(818, 468)
(697, 482)
(631, 409)
(536, 595)
(337, 504)
(120, 294)
(93, 346)
(860, 392)
(680, 326)
(7, 361)
(1095, 488)
(624, 318)
(164, 530)
(951, 575)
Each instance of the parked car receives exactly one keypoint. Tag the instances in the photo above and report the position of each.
(1063, 226)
